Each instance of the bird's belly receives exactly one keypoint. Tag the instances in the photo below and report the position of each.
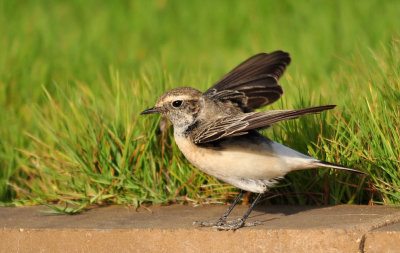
(258, 163)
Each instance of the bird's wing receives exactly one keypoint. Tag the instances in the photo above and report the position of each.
(254, 83)
(240, 124)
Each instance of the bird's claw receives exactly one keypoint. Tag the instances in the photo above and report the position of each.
(210, 224)
(227, 225)
(236, 224)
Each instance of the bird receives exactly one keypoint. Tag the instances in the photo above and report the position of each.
(218, 130)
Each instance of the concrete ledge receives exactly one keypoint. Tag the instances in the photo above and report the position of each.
(169, 229)
(385, 239)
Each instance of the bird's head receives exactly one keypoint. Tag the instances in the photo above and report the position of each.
(181, 106)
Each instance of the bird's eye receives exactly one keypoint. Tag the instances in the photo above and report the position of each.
(177, 103)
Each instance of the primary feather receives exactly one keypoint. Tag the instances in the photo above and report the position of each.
(254, 83)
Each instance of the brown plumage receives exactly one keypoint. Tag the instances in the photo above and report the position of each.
(240, 124)
(254, 83)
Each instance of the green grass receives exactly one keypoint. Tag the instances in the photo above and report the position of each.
(76, 74)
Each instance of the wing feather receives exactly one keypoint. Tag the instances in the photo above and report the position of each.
(242, 123)
(255, 81)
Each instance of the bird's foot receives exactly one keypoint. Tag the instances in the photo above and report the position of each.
(236, 224)
(233, 225)
(221, 221)
(223, 224)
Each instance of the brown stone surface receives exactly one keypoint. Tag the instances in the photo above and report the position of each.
(169, 229)
(385, 239)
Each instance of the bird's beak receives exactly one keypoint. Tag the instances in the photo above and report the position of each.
(150, 111)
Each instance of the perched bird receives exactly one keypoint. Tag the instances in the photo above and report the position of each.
(217, 130)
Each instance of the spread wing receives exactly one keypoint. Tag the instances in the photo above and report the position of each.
(242, 123)
(254, 83)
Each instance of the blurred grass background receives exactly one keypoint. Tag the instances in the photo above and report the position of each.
(74, 75)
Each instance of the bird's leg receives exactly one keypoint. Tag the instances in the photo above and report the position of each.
(222, 220)
(226, 214)
(241, 222)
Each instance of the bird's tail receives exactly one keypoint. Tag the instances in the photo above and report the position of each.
(336, 166)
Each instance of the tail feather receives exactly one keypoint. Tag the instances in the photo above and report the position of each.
(336, 166)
